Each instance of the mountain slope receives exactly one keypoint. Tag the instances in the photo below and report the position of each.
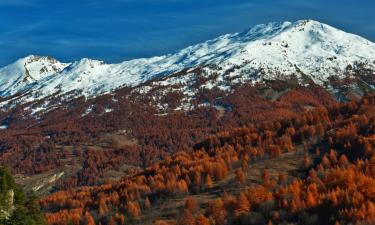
(314, 168)
(307, 50)
(19, 76)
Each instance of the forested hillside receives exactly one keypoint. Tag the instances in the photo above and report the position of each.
(90, 149)
(272, 125)
(314, 167)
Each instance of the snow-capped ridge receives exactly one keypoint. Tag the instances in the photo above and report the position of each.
(20, 75)
(84, 64)
(264, 31)
(282, 49)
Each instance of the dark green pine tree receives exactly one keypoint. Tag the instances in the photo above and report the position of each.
(15, 207)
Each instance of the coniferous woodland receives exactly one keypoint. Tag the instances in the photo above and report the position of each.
(298, 158)
(272, 125)
(332, 181)
(17, 208)
(91, 144)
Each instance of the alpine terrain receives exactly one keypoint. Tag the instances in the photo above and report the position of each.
(273, 125)
(307, 51)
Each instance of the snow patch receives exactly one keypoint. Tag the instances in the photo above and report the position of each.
(107, 110)
(88, 111)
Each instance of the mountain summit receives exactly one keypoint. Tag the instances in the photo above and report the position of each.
(17, 76)
(304, 49)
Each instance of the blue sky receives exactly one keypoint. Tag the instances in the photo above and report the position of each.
(116, 30)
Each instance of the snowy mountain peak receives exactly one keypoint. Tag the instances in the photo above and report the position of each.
(19, 75)
(270, 30)
(33, 60)
(304, 48)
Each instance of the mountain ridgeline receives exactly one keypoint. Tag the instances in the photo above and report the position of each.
(308, 51)
(271, 125)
